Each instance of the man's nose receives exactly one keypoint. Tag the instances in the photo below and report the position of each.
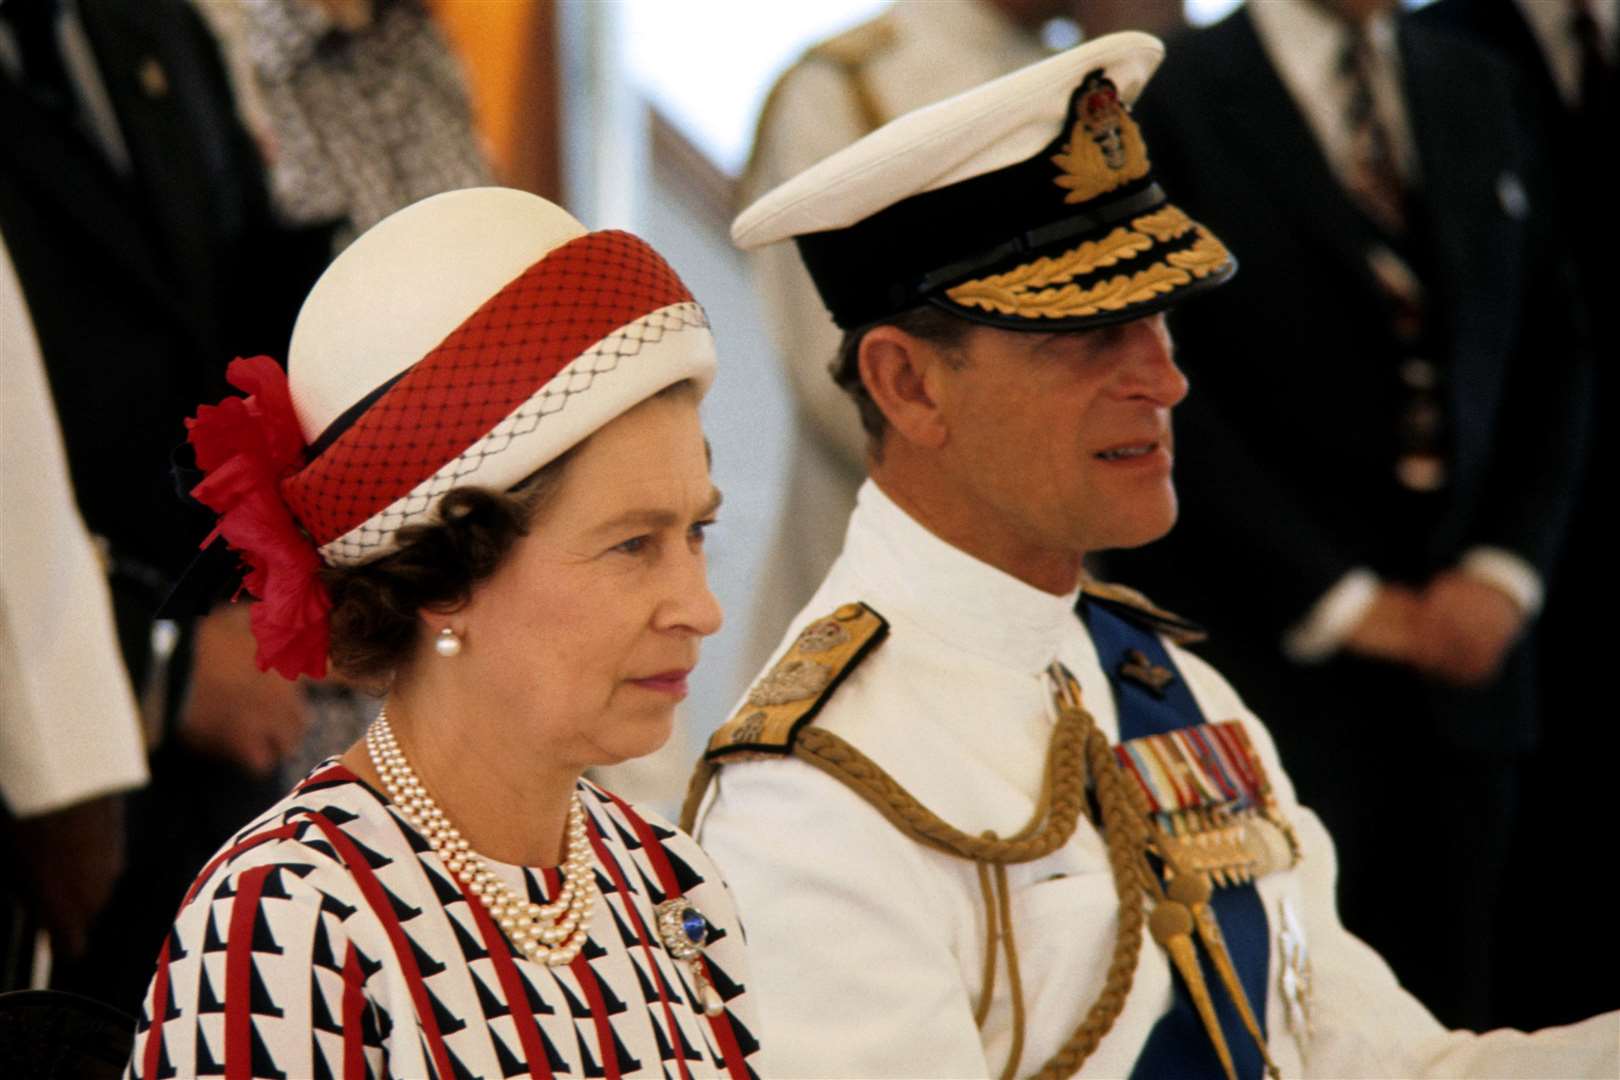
(1151, 370)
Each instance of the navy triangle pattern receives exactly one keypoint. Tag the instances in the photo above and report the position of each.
(510, 1064)
(212, 941)
(320, 1017)
(471, 947)
(538, 1006)
(588, 1065)
(264, 1066)
(321, 955)
(207, 1000)
(577, 1008)
(490, 1005)
(260, 1003)
(207, 1064)
(363, 937)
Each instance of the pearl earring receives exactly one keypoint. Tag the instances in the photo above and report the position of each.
(447, 644)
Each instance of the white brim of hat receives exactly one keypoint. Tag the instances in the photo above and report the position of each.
(990, 127)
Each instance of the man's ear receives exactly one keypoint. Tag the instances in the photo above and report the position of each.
(900, 371)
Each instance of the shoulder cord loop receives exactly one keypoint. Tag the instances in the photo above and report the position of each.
(1077, 748)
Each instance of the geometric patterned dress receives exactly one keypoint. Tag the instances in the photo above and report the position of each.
(327, 939)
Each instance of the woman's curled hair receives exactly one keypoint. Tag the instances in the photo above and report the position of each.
(375, 606)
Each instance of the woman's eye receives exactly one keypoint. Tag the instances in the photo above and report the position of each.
(633, 546)
(700, 530)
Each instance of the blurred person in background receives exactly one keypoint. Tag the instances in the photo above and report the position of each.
(362, 105)
(70, 734)
(481, 487)
(840, 90)
(133, 206)
(1567, 53)
(1380, 453)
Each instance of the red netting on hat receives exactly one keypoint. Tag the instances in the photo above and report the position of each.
(506, 351)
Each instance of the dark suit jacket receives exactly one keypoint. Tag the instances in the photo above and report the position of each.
(1287, 443)
(1587, 176)
(143, 287)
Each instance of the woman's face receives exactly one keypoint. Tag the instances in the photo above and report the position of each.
(582, 639)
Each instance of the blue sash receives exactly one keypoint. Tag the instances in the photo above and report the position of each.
(1178, 1047)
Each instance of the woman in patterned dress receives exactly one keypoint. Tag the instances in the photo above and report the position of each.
(482, 485)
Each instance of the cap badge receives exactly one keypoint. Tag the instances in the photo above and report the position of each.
(1105, 147)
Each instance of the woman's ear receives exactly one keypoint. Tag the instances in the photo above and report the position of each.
(899, 370)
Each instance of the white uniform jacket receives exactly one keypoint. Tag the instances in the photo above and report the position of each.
(868, 948)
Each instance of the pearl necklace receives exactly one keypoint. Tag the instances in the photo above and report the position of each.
(550, 933)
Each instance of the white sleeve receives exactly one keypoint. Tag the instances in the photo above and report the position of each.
(68, 726)
(851, 933)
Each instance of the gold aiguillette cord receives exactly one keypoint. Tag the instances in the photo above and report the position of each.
(1192, 892)
(1179, 912)
(1172, 924)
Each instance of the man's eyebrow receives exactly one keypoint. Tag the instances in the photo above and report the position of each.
(658, 519)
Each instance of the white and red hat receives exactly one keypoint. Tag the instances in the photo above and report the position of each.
(466, 340)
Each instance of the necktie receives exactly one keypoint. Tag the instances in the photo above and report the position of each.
(1375, 180)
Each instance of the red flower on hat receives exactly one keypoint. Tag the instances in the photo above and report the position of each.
(245, 447)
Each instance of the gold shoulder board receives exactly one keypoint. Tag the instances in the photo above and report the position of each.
(1130, 604)
(787, 697)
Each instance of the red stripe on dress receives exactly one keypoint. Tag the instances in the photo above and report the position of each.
(354, 1007)
(719, 1025)
(280, 832)
(239, 974)
(153, 1054)
(593, 995)
(485, 368)
(375, 895)
(500, 954)
(616, 872)
(153, 1050)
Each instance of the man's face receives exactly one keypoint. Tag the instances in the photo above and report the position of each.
(1061, 442)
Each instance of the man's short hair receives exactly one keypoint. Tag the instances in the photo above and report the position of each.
(936, 326)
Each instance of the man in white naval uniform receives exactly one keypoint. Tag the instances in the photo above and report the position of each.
(896, 804)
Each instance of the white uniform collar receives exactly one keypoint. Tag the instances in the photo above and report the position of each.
(906, 572)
